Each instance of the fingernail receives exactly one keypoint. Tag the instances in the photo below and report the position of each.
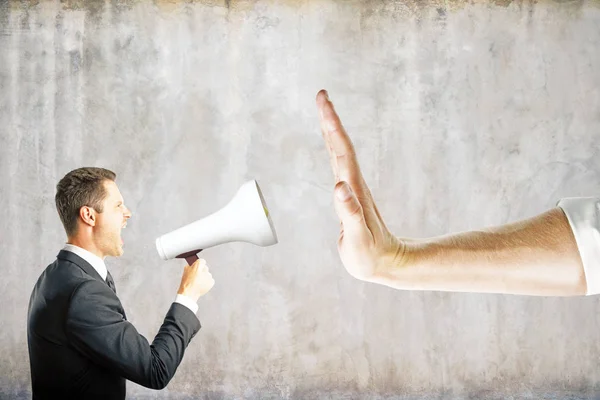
(344, 192)
(327, 96)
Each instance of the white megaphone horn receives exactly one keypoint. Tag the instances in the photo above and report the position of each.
(244, 219)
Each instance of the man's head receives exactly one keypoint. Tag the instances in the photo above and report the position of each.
(92, 210)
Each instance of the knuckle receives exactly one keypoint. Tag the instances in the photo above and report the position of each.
(355, 211)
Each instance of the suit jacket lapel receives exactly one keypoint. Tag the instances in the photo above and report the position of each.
(86, 267)
(81, 263)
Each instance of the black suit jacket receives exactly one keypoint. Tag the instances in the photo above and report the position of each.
(81, 345)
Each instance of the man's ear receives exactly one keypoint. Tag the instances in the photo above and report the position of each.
(88, 215)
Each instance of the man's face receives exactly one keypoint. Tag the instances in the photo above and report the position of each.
(111, 220)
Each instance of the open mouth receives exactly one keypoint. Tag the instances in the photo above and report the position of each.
(123, 227)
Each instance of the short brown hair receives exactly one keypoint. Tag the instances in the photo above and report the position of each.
(80, 187)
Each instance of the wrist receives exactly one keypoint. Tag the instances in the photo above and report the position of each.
(187, 302)
(402, 265)
(189, 296)
(395, 258)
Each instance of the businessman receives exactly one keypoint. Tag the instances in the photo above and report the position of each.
(81, 345)
(556, 253)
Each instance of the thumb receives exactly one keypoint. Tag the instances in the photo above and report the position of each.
(348, 208)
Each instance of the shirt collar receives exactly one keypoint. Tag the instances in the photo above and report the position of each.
(91, 258)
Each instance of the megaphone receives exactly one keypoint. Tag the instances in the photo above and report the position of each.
(244, 219)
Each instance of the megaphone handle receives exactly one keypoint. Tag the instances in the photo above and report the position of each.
(191, 256)
(192, 259)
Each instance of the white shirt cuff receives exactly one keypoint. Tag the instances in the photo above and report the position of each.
(186, 301)
(583, 214)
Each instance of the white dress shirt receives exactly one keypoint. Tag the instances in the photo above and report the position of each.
(583, 214)
(100, 267)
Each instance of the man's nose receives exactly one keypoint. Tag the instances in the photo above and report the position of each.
(127, 213)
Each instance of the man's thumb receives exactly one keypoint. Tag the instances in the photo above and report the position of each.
(347, 206)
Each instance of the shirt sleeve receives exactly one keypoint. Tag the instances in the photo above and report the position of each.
(186, 301)
(583, 214)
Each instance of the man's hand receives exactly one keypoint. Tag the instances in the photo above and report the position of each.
(196, 280)
(366, 246)
(537, 256)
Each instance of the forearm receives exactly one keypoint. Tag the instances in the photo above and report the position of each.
(169, 345)
(537, 256)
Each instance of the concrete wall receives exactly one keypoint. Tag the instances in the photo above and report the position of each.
(464, 116)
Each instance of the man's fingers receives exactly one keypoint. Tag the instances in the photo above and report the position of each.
(342, 155)
(322, 101)
(349, 210)
(345, 160)
(341, 150)
(200, 265)
(332, 160)
(330, 123)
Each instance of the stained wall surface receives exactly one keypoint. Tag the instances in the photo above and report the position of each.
(464, 115)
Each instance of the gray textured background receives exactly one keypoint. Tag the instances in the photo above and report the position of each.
(464, 115)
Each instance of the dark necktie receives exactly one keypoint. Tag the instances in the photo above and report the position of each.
(110, 282)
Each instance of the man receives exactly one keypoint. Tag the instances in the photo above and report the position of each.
(556, 253)
(81, 345)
